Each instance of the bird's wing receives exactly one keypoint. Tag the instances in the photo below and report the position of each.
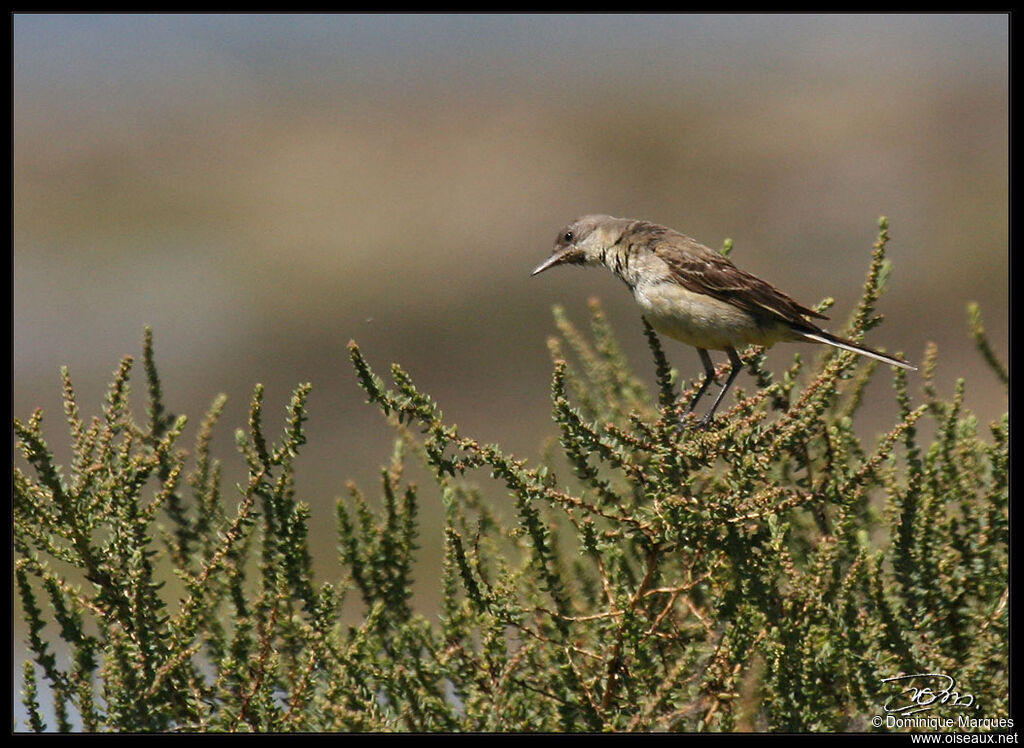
(702, 270)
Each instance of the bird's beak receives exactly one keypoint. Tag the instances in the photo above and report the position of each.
(553, 260)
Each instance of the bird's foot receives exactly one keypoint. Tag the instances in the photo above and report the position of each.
(690, 422)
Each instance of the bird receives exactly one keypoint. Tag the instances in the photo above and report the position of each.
(694, 294)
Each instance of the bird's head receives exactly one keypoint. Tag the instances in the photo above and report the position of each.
(585, 241)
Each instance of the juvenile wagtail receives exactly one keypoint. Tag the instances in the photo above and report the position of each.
(694, 294)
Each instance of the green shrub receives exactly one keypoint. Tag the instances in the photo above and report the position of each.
(766, 573)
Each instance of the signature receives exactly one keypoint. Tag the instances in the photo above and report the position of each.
(927, 691)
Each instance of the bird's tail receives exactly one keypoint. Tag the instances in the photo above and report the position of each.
(820, 336)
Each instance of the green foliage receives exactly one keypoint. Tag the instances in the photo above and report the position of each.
(764, 574)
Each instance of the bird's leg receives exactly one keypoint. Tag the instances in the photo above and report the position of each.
(737, 366)
(709, 377)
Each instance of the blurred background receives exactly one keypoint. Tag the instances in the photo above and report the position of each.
(262, 189)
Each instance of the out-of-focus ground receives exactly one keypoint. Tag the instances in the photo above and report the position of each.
(260, 190)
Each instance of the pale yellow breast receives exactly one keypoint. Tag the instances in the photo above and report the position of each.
(702, 321)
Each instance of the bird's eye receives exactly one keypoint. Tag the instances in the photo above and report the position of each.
(568, 236)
